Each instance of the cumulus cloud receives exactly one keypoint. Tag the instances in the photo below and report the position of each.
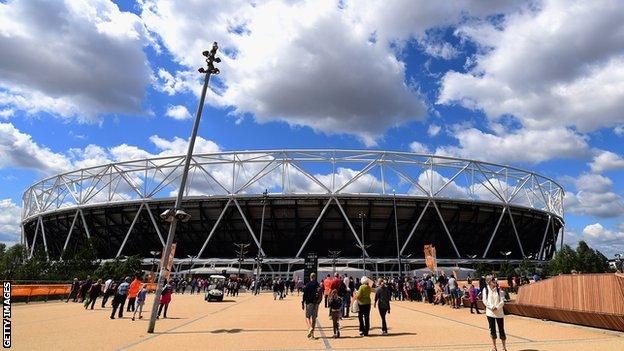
(178, 112)
(18, 150)
(598, 232)
(419, 148)
(433, 130)
(521, 146)
(605, 161)
(528, 68)
(10, 214)
(71, 59)
(595, 197)
(5, 113)
(305, 63)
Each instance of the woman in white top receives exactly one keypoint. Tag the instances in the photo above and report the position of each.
(494, 299)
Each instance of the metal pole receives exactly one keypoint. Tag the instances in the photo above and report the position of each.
(191, 265)
(258, 258)
(396, 229)
(334, 254)
(241, 254)
(363, 243)
(210, 59)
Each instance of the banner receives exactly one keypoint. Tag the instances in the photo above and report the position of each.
(430, 258)
(169, 261)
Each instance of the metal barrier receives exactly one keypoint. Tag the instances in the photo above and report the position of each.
(39, 290)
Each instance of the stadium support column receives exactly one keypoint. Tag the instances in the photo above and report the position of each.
(396, 232)
(176, 213)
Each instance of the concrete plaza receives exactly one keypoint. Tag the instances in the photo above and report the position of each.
(259, 323)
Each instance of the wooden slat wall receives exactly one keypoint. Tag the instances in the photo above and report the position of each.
(599, 293)
(593, 319)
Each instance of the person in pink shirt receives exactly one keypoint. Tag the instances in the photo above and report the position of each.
(473, 294)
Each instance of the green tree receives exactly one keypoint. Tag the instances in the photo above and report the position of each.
(506, 270)
(584, 259)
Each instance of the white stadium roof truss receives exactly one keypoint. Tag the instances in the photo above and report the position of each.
(332, 173)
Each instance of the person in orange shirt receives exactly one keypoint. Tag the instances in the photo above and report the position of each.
(135, 286)
(327, 287)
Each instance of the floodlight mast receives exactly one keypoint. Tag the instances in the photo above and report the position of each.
(210, 60)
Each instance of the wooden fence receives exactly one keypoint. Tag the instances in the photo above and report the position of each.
(588, 299)
(603, 293)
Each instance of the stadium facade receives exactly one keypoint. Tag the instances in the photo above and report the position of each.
(315, 201)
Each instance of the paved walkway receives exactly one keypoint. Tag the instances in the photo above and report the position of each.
(258, 323)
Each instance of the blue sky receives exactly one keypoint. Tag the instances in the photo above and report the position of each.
(517, 83)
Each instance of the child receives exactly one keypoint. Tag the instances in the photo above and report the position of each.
(140, 301)
(473, 296)
(335, 310)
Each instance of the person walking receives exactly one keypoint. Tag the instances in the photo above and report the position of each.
(94, 292)
(135, 286)
(141, 296)
(382, 301)
(73, 293)
(120, 298)
(84, 287)
(335, 311)
(312, 296)
(473, 294)
(327, 284)
(364, 302)
(494, 301)
(109, 289)
(193, 285)
(453, 291)
(165, 299)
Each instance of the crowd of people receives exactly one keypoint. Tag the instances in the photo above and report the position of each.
(130, 293)
(340, 295)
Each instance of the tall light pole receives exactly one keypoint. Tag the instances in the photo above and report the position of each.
(176, 213)
(265, 194)
(361, 216)
(334, 254)
(396, 231)
(191, 265)
(154, 254)
(241, 251)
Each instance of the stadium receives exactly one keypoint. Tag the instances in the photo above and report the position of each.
(372, 206)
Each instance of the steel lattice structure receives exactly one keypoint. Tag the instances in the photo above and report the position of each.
(439, 199)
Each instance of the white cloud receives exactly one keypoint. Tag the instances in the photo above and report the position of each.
(419, 148)
(594, 197)
(605, 161)
(433, 130)
(6, 113)
(20, 151)
(524, 145)
(400, 20)
(619, 130)
(71, 59)
(597, 237)
(440, 49)
(10, 215)
(597, 232)
(546, 67)
(178, 112)
(300, 63)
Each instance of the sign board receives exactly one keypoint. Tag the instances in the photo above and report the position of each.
(430, 258)
(169, 262)
(310, 266)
